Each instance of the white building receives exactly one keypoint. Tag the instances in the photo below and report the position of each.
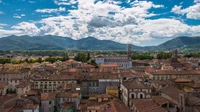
(123, 61)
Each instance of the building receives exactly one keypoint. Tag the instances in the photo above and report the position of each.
(3, 88)
(48, 102)
(145, 105)
(12, 83)
(134, 89)
(123, 61)
(31, 108)
(68, 97)
(23, 87)
(49, 83)
(165, 74)
(104, 103)
(6, 75)
(67, 107)
(112, 90)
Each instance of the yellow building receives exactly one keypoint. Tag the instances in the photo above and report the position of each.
(112, 90)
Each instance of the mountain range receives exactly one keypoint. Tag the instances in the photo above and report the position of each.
(49, 42)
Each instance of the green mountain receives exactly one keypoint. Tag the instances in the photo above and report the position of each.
(58, 43)
(191, 48)
(178, 42)
(49, 42)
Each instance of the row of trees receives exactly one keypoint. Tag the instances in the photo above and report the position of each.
(195, 55)
(164, 55)
(39, 60)
(142, 56)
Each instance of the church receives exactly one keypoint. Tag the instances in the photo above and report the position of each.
(123, 61)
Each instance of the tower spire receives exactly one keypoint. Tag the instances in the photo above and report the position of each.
(129, 51)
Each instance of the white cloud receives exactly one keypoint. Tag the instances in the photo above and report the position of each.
(32, 1)
(5, 33)
(60, 9)
(1, 12)
(192, 12)
(27, 28)
(107, 20)
(18, 17)
(2, 25)
(65, 2)
(22, 15)
(196, 1)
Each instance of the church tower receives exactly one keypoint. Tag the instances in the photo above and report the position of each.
(129, 51)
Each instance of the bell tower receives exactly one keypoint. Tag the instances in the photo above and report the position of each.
(129, 51)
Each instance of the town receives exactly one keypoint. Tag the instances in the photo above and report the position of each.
(103, 83)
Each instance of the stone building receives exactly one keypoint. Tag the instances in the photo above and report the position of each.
(134, 89)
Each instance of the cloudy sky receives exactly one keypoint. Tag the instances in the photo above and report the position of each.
(140, 22)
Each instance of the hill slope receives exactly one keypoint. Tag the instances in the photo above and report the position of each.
(58, 43)
(178, 42)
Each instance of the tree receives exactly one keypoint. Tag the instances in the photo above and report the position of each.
(81, 56)
(52, 59)
(164, 55)
(39, 60)
(88, 56)
(65, 57)
(94, 63)
(5, 60)
(142, 56)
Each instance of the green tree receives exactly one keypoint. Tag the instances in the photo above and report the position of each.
(142, 56)
(164, 55)
(39, 60)
(88, 56)
(94, 63)
(5, 60)
(65, 57)
(81, 56)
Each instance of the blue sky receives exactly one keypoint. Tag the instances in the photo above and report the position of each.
(140, 22)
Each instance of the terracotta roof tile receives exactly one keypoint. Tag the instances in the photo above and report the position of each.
(146, 105)
(135, 84)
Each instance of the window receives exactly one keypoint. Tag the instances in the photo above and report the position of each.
(49, 102)
(141, 95)
(132, 95)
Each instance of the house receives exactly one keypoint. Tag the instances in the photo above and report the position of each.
(48, 102)
(109, 66)
(104, 103)
(158, 85)
(49, 83)
(31, 108)
(68, 97)
(67, 107)
(112, 90)
(12, 83)
(191, 87)
(145, 105)
(6, 75)
(134, 89)
(23, 87)
(171, 74)
(3, 88)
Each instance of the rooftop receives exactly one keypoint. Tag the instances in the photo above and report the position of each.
(146, 105)
(135, 84)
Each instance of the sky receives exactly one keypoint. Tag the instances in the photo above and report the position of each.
(139, 22)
